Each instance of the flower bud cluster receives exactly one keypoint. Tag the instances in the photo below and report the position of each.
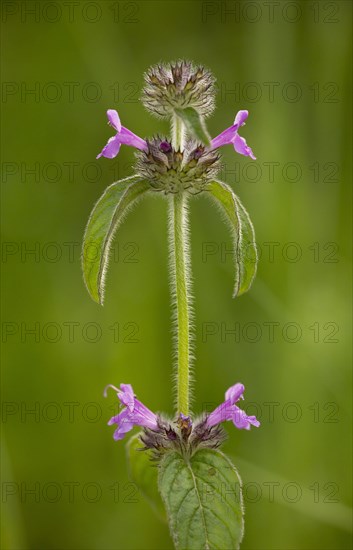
(182, 436)
(171, 171)
(177, 86)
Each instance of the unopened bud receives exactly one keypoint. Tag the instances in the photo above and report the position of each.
(177, 86)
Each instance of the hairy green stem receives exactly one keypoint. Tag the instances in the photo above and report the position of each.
(179, 251)
(178, 133)
(180, 274)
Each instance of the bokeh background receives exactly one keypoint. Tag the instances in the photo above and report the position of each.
(65, 483)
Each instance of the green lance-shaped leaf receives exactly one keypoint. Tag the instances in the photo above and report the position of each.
(203, 499)
(245, 253)
(194, 124)
(105, 218)
(144, 473)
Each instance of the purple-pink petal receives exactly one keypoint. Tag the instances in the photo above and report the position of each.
(241, 117)
(111, 149)
(122, 429)
(231, 136)
(127, 137)
(234, 393)
(254, 421)
(225, 137)
(133, 414)
(222, 413)
(113, 420)
(114, 119)
(143, 416)
(126, 396)
(119, 418)
(242, 421)
(241, 147)
(122, 137)
(229, 411)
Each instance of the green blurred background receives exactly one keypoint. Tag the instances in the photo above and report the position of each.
(65, 483)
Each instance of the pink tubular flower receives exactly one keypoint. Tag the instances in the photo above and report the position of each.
(134, 414)
(230, 135)
(229, 411)
(122, 137)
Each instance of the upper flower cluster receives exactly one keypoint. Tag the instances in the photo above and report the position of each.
(176, 86)
(172, 170)
(170, 89)
(123, 136)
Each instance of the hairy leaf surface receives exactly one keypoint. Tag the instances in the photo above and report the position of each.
(245, 252)
(203, 499)
(105, 218)
(144, 473)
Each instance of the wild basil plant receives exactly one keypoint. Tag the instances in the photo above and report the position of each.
(179, 459)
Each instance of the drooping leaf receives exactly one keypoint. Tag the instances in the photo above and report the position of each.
(203, 499)
(194, 124)
(245, 252)
(105, 218)
(144, 473)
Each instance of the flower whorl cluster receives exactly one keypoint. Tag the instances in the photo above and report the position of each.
(175, 91)
(182, 436)
(170, 171)
(176, 86)
(185, 436)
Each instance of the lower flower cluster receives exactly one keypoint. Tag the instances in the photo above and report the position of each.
(183, 435)
(170, 170)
